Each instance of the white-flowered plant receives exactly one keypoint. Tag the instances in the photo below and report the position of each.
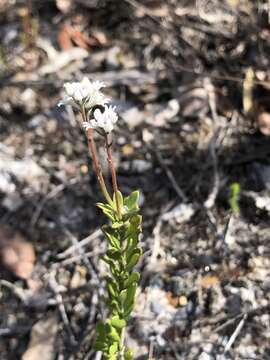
(124, 228)
(84, 93)
(103, 119)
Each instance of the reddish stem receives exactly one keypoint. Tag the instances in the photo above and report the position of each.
(93, 151)
(113, 172)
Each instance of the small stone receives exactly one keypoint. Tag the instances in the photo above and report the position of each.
(172, 300)
(263, 202)
(127, 149)
(147, 136)
(113, 58)
(25, 170)
(205, 356)
(6, 185)
(177, 285)
(64, 5)
(84, 169)
(36, 121)
(29, 100)
(42, 344)
(180, 315)
(263, 123)
(209, 281)
(160, 340)
(218, 300)
(183, 300)
(233, 304)
(80, 310)
(262, 174)
(248, 351)
(203, 261)
(51, 126)
(12, 201)
(190, 308)
(157, 308)
(16, 253)
(133, 117)
(159, 115)
(78, 278)
(181, 213)
(141, 165)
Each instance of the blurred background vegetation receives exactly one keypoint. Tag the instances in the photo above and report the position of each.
(190, 80)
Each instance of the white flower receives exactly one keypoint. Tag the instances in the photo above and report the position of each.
(103, 120)
(85, 93)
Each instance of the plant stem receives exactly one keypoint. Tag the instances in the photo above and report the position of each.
(27, 25)
(122, 344)
(113, 173)
(93, 151)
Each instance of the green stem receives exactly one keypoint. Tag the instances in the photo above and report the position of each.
(122, 344)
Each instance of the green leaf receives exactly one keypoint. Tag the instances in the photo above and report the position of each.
(111, 289)
(100, 346)
(114, 254)
(102, 332)
(130, 254)
(119, 197)
(131, 245)
(123, 296)
(128, 311)
(129, 301)
(130, 213)
(109, 261)
(128, 355)
(112, 264)
(235, 198)
(113, 282)
(133, 278)
(111, 236)
(107, 210)
(113, 305)
(134, 259)
(112, 357)
(133, 234)
(113, 335)
(136, 221)
(100, 327)
(134, 228)
(113, 349)
(117, 322)
(117, 224)
(114, 271)
(131, 201)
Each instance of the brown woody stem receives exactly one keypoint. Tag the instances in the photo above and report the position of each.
(113, 172)
(93, 151)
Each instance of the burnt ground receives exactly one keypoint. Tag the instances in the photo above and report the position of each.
(179, 73)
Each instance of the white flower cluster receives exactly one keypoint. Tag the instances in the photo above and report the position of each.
(88, 94)
(103, 120)
(85, 93)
